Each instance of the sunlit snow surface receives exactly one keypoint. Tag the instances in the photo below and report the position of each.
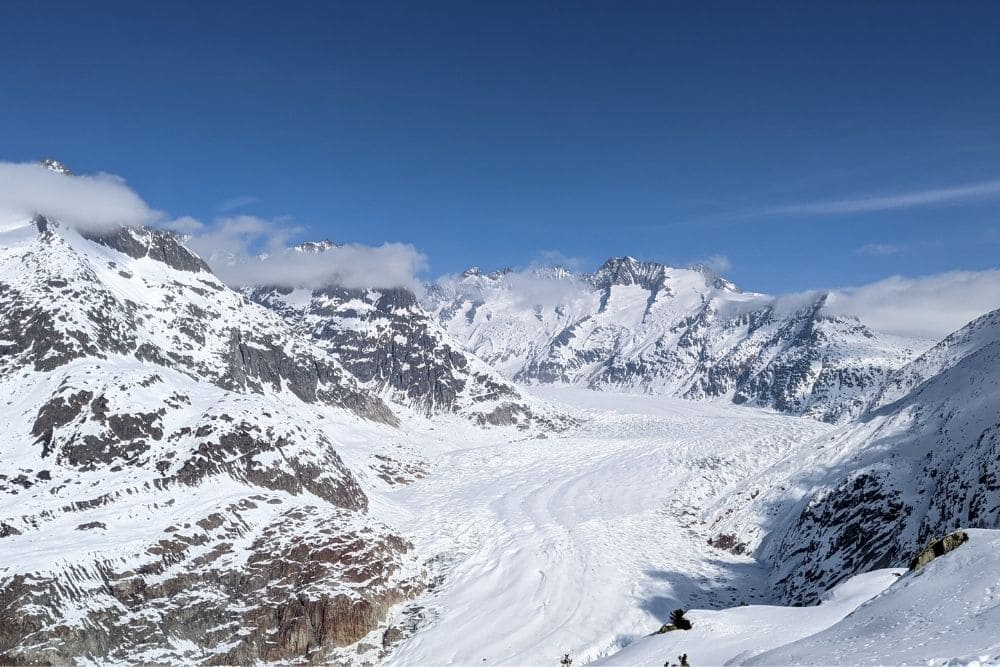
(946, 614)
(582, 542)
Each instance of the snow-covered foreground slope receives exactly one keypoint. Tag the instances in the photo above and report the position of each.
(582, 541)
(947, 613)
(650, 327)
(737, 635)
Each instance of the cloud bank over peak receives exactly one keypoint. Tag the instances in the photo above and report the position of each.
(242, 249)
(246, 250)
(93, 202)
(925, 307)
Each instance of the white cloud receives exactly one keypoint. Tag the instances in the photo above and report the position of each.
(928, 307)
(903, 200)
(534, 287)
(718, 263)
(246, 250)
(89, 202)
(546, 289)
(549, 258)
(184, 225)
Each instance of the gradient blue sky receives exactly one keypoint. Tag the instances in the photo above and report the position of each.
(811, 146)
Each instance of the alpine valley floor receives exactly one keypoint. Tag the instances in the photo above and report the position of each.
(581, 542)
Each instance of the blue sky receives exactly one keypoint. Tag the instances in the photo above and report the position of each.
(811, 146)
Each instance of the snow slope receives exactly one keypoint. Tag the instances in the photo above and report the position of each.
(738, 635)
(922, 462)
(947, 613)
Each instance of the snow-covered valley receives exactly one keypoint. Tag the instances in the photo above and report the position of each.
(584, 541)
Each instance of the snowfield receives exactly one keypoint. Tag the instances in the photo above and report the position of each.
(581, 542)
(948, 613)
(584, 542)
(738, 635)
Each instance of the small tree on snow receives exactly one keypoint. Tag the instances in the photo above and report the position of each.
(566, 660)
(678, 621)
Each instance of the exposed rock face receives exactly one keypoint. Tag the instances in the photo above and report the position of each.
(163, 246)
(922, 462)
(172, 487)
(938, 548)
(293, 589)
(56, 166)
(660, 329)
(390, 344)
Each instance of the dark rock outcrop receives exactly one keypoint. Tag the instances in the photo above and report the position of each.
(938, 548)
(158, 244)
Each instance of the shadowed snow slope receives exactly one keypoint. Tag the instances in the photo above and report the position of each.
(923, 462)
(945, 614)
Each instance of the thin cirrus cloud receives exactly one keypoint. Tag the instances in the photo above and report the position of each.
(868, 203)
(905, 200)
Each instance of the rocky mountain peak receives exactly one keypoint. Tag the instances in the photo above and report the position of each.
(56, 166)
(316, 246)
(629, 271)
(159, 244)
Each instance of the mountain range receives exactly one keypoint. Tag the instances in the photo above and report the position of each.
(655, 328)
(201, 472)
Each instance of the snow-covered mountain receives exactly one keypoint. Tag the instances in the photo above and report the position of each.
(922, 461)
(392, 346)
(193, 473)
(180, 473)
(661, 329)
